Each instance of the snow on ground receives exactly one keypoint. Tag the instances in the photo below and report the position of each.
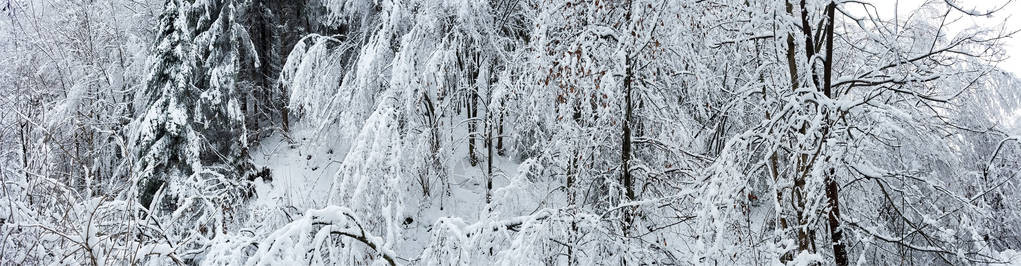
(304, 168)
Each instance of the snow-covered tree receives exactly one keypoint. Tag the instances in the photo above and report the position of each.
(191, 141)
(506, 132)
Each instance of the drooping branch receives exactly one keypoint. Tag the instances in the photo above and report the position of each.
(334, 220)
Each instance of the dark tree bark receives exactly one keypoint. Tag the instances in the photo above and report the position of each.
(810, 48)
(473, 113)
(625, 153)
(489, 159)
(836, 234)
(499, 132)
(773, 159)
(627, 180)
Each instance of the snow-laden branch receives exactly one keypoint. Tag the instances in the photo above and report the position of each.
(297, 241)
(1000, 147)
(458, 227)
(975, 12)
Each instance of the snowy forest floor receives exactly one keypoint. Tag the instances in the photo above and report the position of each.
(304, 169)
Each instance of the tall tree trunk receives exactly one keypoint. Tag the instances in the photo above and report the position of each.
(792, 67)
(24, 149)
(473, 113)
(572, 171)
(434, 144)
(625, 151)
(489, 158)
(499, 132)
(798, 191)
(833, 198)
(806, 234)
(469, 61)
(626, 179)
(810, 48)
(284, 120)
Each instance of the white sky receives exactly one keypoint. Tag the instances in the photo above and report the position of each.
(1009, 16)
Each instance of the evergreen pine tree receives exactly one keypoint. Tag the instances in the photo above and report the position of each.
(193, 127)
